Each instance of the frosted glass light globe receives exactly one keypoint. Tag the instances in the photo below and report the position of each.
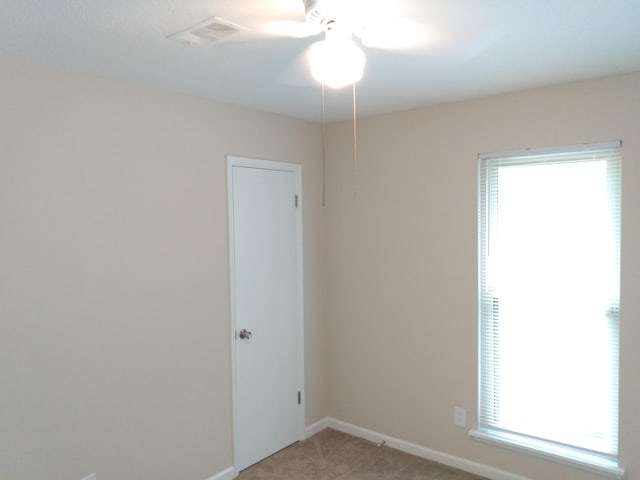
(337, 62)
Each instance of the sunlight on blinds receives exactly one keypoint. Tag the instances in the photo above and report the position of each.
(549, 297)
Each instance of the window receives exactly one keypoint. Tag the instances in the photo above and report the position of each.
(549, 254)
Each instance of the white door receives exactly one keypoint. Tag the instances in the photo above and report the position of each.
(266, 298)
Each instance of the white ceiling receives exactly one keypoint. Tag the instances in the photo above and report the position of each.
(471, 48)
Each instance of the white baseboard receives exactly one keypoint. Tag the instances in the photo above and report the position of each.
(418, 450)
(404, 446)
(316, 427)
(226, 474)
(230, 473)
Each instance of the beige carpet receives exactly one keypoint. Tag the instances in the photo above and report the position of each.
(332, 455)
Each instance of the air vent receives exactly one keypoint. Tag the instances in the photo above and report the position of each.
(210, 30)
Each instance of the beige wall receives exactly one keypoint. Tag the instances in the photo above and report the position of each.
(114, 327)
(114, 301)
(402, 256)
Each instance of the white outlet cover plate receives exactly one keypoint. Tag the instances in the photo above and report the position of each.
(460, 417)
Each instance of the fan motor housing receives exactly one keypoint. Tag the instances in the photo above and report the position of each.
(316, 11)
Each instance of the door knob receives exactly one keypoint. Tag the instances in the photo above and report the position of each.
(244, 334)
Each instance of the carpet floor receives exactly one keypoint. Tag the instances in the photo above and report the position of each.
(333, 455)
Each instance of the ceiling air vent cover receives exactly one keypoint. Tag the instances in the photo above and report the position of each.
(210, 30)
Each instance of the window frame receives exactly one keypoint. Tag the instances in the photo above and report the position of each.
(591, 461)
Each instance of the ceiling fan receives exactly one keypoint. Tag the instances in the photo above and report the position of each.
(338, 60)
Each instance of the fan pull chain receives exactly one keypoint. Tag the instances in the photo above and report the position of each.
(324, 154)
(324, 146)
(355, 145)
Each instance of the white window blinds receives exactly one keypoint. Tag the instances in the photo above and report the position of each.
(549, 257)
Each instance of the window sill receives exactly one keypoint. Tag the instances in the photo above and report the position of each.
(591, 462)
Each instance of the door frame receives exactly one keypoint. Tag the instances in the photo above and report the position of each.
(296, 169)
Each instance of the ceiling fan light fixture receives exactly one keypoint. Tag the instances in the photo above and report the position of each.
(337, 61)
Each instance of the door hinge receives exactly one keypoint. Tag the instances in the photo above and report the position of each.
(299, 398)
(296, 201)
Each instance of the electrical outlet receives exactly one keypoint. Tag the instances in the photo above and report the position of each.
(459, 416)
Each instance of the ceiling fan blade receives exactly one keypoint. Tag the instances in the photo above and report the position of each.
(393, 34)
(292, 28)
(411, 37)
(464, 44)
